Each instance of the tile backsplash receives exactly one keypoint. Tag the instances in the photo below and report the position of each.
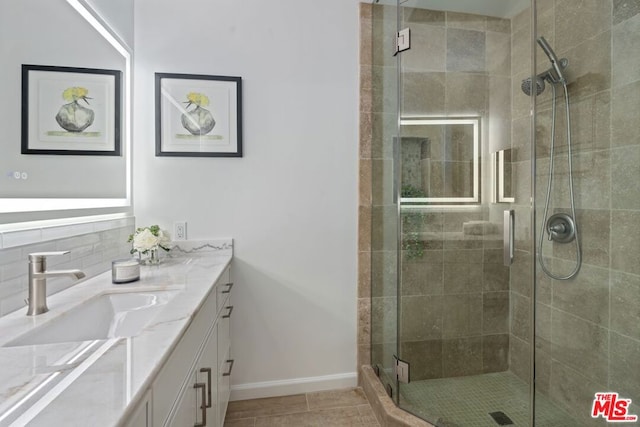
(92, 246)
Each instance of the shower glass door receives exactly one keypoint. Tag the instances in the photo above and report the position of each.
(384, 214)
(465, 317)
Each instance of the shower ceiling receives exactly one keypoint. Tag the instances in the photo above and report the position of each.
(497, 8)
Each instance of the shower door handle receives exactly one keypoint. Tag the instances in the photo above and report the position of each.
(395, 168)
(508, 236)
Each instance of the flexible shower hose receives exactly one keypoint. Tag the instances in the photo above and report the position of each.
(551, 167)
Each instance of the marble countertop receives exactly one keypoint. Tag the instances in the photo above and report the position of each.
(99, 382)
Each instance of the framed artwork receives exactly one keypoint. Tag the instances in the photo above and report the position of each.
(71, 111)
(198, 115)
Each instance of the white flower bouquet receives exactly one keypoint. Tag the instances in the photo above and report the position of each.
(147, 239)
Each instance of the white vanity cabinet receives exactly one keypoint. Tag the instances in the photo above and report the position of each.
(192, 388)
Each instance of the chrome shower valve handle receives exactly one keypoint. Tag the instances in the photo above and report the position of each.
(561, 228)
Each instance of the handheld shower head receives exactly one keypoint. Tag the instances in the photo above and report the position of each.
(557, 64)
(544, 44)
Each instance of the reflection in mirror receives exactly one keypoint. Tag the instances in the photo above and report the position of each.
(440, 161)
(503, 176)
(63, 33)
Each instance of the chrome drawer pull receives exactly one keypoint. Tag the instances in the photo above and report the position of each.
(228, 315)
(208, 371)
(227, 374)
(203, 407)
(228, 291)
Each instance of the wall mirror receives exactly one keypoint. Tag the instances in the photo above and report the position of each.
(440, 161)
(62, 33)
(503, 176)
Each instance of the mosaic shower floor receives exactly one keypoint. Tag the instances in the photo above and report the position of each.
(467, 402)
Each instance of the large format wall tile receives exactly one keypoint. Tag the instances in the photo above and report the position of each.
(625, 366)
(427, 51)
(625, 55)
(625, 9)
(589, 69)
(579, 20)
(495, 353)
(573, 392)
(583, 296)
(421, 318)
(520, 358)
(462, 356)
(625, 304)
(626, 174)
(625, 115)
(462, 315)
(495, 313)
(580, 344)
(466, 94)
(594, 232)
(625, 241)
(466, 50)
(425, 358)
(424, 93)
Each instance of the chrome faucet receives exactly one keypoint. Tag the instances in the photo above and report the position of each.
(38, 280)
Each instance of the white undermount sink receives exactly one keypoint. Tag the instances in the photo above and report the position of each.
(105, 316)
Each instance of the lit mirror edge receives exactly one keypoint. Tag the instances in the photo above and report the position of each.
(497, 173)
(17, 205)
(436, 203)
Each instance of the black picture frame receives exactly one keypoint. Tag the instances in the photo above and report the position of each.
(71, 111)
(198, 115)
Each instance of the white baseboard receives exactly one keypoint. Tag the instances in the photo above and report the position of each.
(293, 386)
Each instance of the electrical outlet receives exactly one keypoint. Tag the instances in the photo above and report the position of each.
(180, 230)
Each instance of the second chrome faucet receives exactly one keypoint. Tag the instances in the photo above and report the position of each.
(38, 275)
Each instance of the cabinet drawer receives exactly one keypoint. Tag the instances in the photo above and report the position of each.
(223, 288)
(173, 374)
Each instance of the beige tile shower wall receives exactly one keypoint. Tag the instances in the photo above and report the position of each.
(92, 252)
(587, 327)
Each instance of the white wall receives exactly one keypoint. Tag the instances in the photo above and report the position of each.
(291, 202)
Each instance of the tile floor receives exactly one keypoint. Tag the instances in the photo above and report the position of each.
(334, 408)
(467, 401)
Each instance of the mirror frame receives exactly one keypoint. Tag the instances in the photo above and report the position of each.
(14, 205)
(443, 201)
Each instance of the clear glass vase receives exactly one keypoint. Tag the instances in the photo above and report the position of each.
(152, 257)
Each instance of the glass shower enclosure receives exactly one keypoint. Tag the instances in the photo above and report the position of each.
(505, 239)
